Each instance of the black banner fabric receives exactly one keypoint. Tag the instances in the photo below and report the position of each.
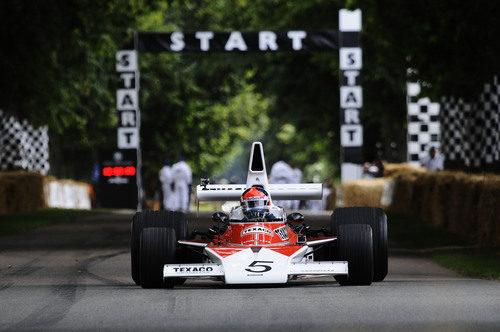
(353, 155)
(236, 41)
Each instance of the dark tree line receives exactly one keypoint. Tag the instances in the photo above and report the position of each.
(57, 65)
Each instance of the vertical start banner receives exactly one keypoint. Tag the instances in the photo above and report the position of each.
(127, 106)
(127, 100)
(351, 94)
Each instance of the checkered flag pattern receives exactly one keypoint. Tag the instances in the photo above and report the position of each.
(424, 129)
(22, 146)
(471, 131)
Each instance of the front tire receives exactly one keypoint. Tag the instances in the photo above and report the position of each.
(144, 219)
(355, 245)
(377, 219)
(157, 248)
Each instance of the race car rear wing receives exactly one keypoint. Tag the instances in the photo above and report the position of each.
(233, 192)
(257, 175)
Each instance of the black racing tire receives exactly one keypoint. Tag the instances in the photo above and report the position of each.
(157, 248)
(355, 245)
(180, 225)
(141, 220)
(135, 236)
(377, 219)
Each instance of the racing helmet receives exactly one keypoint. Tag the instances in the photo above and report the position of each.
(255, 203)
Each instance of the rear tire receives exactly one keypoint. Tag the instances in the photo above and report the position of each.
(377, 219)
(355, 245)
(144, 219)
(157, 248)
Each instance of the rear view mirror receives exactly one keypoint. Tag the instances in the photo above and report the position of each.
(296, 218)
(220, 217)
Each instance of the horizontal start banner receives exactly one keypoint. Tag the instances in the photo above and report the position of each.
(236, 41)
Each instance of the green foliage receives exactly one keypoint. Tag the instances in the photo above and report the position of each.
(448, 249)
(477, 262)
(57, 64)
(22, 222)
(452, 44)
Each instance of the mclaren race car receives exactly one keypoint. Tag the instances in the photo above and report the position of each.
(257, 243)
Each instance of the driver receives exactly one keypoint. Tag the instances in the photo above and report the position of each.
(255, 204)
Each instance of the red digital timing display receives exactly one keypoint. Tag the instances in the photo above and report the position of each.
(118, 171)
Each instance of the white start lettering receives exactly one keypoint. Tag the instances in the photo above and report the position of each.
(282, 232)
(193, 269)
(257, 229)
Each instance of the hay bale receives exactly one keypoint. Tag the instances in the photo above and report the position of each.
(403, 193)
(455, 202)
(391, 170)
(424, 194)
(21, 191)
(488, 233)
(469, 211)
(67, 194)
(331, 200)
(365, 192)
(443, 190)
(3, 193)
(462, 204)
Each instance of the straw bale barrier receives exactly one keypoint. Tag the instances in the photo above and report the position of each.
(331, 201)
(402, 197)
(392, 169)
(21, 191)
(488, 230)
(364, 192)
(67, 194)
(464, 204)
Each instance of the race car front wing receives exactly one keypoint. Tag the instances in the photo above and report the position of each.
(217, 270)
(249, 267)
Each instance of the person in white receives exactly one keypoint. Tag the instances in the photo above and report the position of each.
(327, 190)
(434, 161)
(183, 177)
(296, 178)
(167, 184)
(281, 173)
(315, 204)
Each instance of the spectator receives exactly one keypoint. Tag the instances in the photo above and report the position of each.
(374, 169)
(281, 173)
(182, 178)
(296, 178)
(434, 161)
(315, 204)
(167, 185)
(327, 190)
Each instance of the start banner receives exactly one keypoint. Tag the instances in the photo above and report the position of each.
(237, 41)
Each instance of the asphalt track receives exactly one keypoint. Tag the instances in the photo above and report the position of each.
(77, 277)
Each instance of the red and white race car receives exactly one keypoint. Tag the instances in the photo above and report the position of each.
(257, 243)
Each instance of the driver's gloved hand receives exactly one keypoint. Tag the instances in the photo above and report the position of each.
(217, 230)
(300, 229)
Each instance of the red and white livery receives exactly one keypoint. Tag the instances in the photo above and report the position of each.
(253, 251)
(257, 243)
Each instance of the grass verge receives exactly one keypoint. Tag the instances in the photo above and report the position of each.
(450, 250)
(21, 222)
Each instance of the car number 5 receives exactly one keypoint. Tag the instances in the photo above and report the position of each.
(260, 267)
